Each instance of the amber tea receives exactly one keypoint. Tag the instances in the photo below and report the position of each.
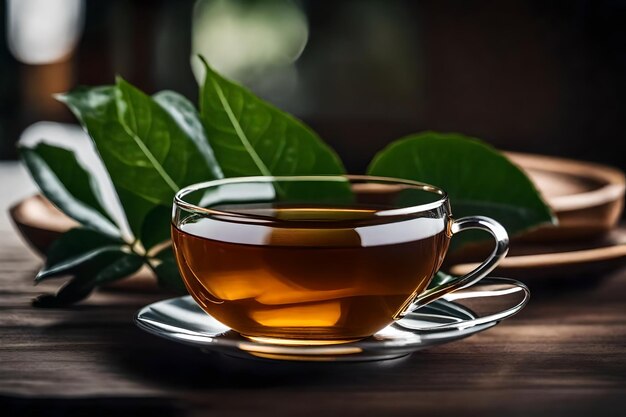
(339, 282)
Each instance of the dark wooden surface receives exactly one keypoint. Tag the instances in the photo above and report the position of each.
(565, 354)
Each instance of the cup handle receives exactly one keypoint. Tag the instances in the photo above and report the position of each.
(499, 252)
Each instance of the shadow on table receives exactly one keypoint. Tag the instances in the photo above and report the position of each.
(180, 366)
(92, 407)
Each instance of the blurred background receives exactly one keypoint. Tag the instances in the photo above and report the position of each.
(535, 76)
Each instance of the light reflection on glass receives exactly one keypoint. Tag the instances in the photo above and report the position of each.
(295, 350)
(480, 294)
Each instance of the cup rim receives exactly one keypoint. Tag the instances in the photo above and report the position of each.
(395, 212)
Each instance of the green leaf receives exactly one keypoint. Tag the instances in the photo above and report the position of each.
(478, 179)
(91, 258)
(252, 137)
(105, 267)
(167, 271)
(68, 265)
(68, 185)
(75, 248)
(186, 116)
(123, 265)
(147, 153)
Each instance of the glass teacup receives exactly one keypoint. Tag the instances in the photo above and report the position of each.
(317, 259)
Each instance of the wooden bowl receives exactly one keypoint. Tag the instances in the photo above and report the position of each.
(39, 222)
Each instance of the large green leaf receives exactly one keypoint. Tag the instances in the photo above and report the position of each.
(478, 179)
(68, 185)
(147, 153)
(168, 158)
(252, 137)
(95, 108)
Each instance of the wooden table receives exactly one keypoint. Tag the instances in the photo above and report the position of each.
(565, 354)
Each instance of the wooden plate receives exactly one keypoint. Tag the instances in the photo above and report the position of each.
(530, 261)
(587, 198)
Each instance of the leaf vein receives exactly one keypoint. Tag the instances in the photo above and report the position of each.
(146, 151)
(240, 133)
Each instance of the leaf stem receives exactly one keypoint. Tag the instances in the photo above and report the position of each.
(146, 261)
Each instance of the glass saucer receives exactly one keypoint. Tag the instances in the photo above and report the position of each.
(456, 316)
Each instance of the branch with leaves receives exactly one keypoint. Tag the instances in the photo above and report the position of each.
(151, 146)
